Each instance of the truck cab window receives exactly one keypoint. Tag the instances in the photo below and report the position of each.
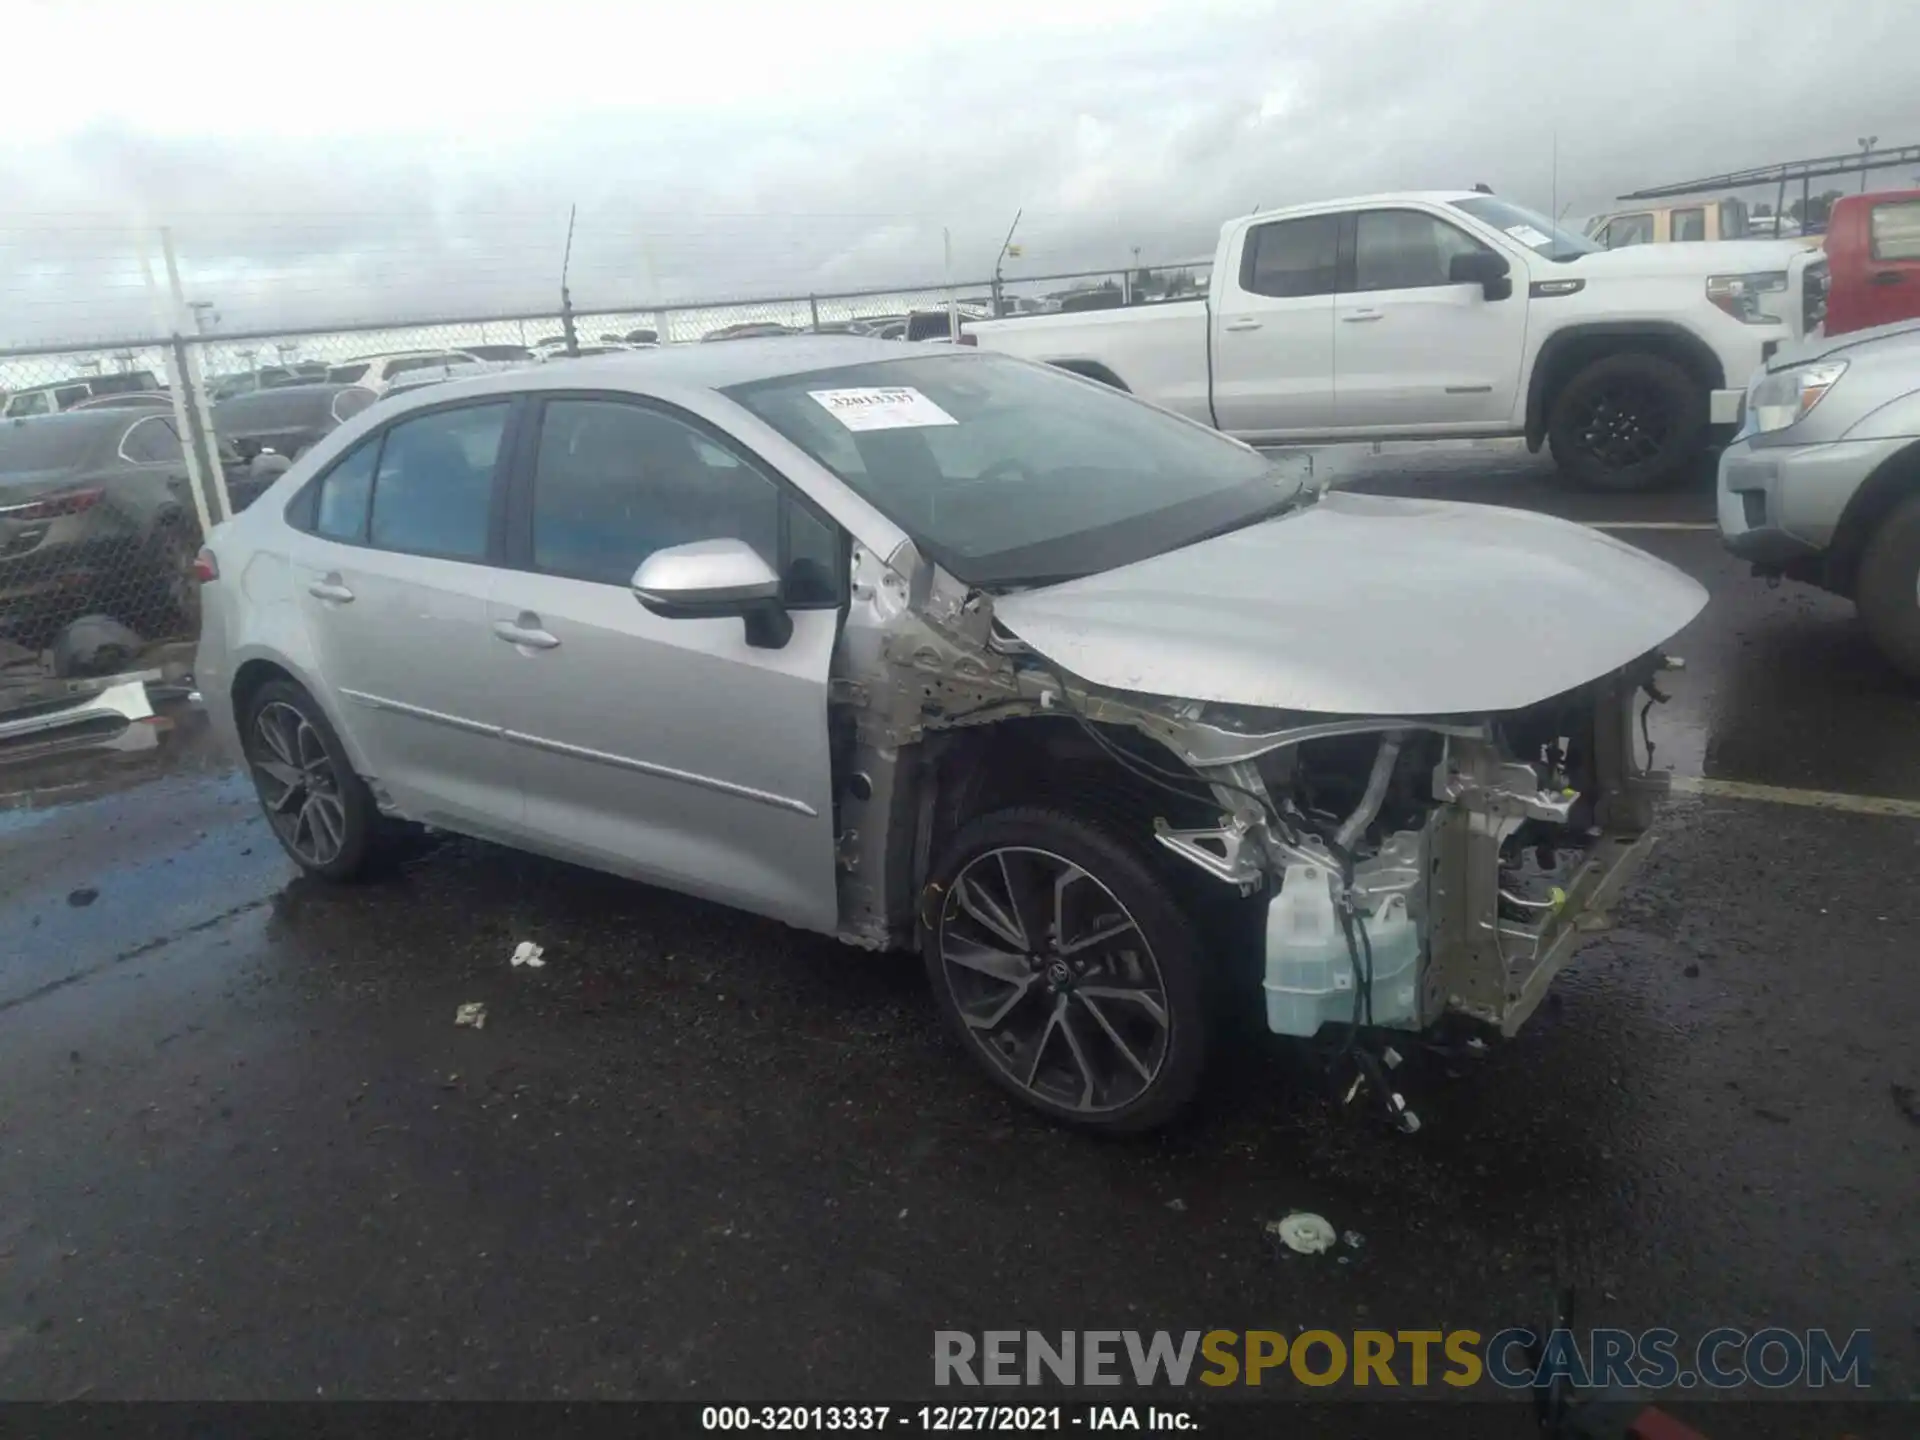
(1293, 257)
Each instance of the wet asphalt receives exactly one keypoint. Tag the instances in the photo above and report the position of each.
(245, 1152)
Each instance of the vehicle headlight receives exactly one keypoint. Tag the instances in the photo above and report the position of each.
(1748, 298)
(1778, 401)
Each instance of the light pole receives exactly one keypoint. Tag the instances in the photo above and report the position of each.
(1867, 142)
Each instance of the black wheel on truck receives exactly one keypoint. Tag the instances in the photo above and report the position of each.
(1887, 587)
(1068, 969)
(1626, 422)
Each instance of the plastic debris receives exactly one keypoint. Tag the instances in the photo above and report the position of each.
(473, 1013)
(1303, 1232)
(1352, 1239)
(82, 897)
(1176, 1204)
(527, 953)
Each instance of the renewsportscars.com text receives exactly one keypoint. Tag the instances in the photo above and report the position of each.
(1514, 1358)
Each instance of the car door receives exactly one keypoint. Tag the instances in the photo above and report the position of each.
(396, 552)
(667, 749)
(1273, 331)
(1414, 351)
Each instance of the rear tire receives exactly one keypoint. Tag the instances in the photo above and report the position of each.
(1887, 588)
(1628, 422)
(320, 811)
(1068, 969)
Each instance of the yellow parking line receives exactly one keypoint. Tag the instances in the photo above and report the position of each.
(1806, 799)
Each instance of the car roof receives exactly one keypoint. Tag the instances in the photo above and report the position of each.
(698, 367)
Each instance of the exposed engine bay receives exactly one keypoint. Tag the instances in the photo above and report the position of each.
(1411, 866)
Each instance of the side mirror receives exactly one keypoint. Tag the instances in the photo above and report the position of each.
(1483, 268)
(710, 579)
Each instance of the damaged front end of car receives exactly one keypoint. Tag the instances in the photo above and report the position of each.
(1397, 869)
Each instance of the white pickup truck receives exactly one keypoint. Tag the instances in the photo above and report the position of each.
(1435, 314)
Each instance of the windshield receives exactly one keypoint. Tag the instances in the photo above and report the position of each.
(1529, 227)
(1008, 473)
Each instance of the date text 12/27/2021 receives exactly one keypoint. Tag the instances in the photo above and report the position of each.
(945, 1419)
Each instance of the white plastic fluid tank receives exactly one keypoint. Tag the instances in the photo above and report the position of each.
(1310, 971)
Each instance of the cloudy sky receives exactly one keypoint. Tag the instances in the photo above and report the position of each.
(351, 162)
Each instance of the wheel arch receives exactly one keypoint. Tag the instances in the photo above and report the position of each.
(1092, 370)
(1894, 480)
(1567, 352)
(259, 667)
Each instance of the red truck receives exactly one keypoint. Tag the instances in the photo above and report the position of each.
(1873, 260)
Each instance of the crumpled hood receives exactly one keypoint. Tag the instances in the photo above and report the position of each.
(1362, 605)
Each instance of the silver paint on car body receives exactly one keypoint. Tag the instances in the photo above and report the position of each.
(1364, 605)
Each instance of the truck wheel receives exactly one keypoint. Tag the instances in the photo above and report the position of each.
(1628, 422)
(1068, 969)
(1887, 588)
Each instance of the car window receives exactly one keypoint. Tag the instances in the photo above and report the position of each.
(614, 482)
(1626, 230)
(152, 441)
(1688, 224)
(349, 403)
(1404, 250)
(1292, 257)
(1895, 229)
(341, 513)
(433, 490)
(347, 374)
(70, 395)
(34, 402)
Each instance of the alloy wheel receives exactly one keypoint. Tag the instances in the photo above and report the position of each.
(1622, 425)
(298, 784)
(1054, 980)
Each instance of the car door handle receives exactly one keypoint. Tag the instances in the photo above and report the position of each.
(1886, 277)
(330, 589)
(528, 634)
(1363, 317)
(1241, 325)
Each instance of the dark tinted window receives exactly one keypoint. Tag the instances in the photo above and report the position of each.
(1404, 250)
(1292, 257)
(272, 409)
(615, 482)
(433, 493)
(347, 374)
(70, 395)
(34, 402)
(152, 441)
(341, 513)
(1689, 224)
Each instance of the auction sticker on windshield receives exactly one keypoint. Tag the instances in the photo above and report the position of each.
(882, 407)
(1528, 235)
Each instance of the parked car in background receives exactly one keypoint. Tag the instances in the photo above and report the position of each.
(376, 372)
(95, 518)
(507, 354)
(749, 330)
(1450, 313)
(132, 400)
(270, 429)
(1119, 723)
(1681, 223)
(58, 395)
(1873, 260)
(1823, 484)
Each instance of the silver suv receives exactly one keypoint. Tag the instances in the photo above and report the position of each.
(1112, 718)
(1822, 484)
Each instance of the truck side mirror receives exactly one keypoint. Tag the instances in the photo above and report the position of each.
(1483, 268)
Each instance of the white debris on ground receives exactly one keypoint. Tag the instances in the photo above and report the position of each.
(1303, 1232)
(1352, 1239)
(473, 1013)
(527, 953)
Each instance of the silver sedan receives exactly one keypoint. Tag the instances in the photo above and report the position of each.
(1112, 719)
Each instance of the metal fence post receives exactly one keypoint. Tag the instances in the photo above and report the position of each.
(813, 308)
(199, 434)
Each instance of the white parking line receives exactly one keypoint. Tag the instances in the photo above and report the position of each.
(1806, 799)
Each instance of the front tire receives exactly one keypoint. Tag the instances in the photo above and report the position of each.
(1068, 969)
(1628, 422)
(320, 811)
(1887, 588)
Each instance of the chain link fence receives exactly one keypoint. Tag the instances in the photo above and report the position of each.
(115, 459)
